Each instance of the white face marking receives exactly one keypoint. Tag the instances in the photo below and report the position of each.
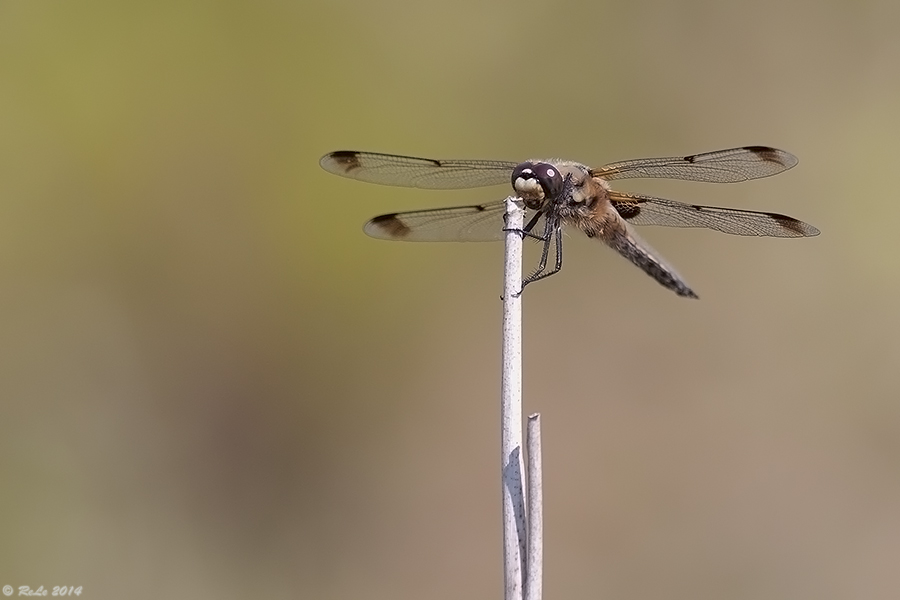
(529, 187)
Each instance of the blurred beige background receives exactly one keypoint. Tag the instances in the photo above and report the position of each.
(215, 386)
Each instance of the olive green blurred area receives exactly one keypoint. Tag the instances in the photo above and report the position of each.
(214, 385)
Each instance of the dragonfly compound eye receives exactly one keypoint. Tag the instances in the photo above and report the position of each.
(537, 180)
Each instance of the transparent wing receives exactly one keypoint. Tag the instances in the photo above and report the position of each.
(722, 166)
(647, 210)
(480, 223)
(407, 171)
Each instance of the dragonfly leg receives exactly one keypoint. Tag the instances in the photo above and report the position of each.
(526, 230)
(541, 272)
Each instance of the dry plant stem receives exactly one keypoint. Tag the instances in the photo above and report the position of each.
(534, 571)
(514, 530)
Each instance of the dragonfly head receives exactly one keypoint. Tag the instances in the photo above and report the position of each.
(536, 182)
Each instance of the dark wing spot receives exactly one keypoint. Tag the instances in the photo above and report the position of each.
(791, 224)
(627, 210)
(767, 154)
(390, 225)
(690, 159)
(347, 159)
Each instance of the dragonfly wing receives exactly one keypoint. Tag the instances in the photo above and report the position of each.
(647, 210)
(407, 171)
(722, 166)
(479, 223)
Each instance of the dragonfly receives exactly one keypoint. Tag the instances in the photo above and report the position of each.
(560, 193)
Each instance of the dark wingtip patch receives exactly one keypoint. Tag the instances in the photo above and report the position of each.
(765, 153)
(347, 159)
(388, 226)
(800, 228)
(772, 155)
